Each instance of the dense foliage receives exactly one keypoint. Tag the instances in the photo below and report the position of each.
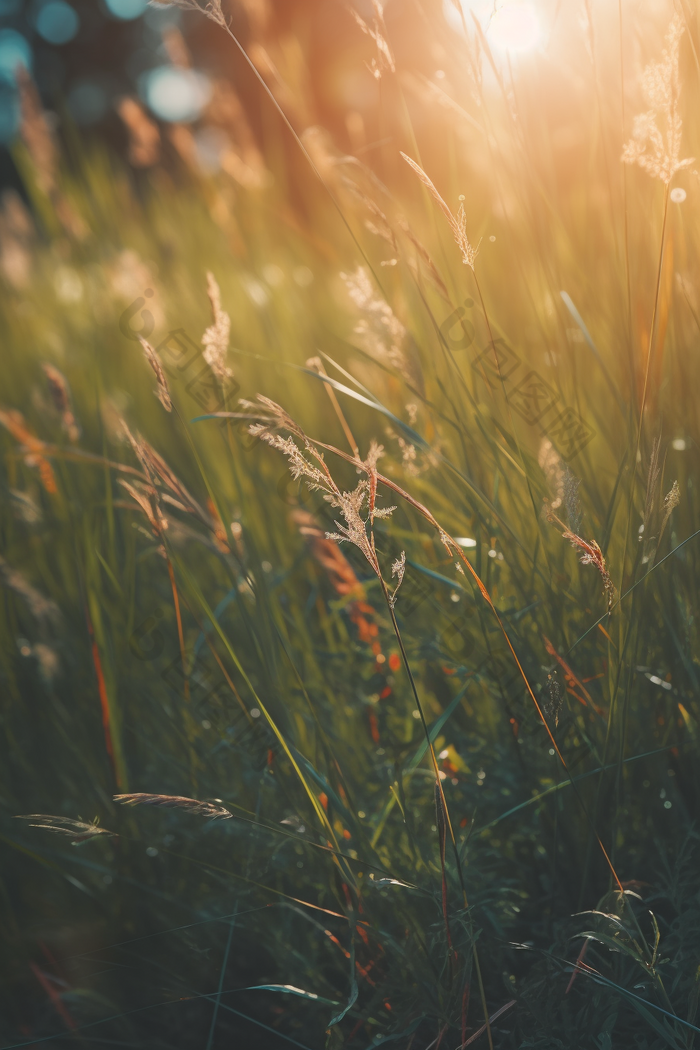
(351, 814)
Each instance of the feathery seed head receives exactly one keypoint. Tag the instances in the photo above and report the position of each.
(216, 338)
(380, 332)
(61, 397)
(457, 223)
(656, 153)
(162, 389)
(209, 808)
(385, 59)
(78, 830)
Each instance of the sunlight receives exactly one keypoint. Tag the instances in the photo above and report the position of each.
(515, 27)
(512, 27)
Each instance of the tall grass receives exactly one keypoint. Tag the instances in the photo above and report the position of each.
(422, 776)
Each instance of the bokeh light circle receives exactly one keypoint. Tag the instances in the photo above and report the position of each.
(126, 10)
(515, 27)
(175, 95)
(14, 51)
(678, 195)
(56, 22)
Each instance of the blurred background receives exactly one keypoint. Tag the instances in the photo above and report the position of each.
(87, 57)
(142, 151)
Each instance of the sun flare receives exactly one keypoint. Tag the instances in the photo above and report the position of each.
(512, 27)
(515, 27)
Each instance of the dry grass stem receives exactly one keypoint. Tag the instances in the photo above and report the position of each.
(590, 554)
(162, 389)
(77, 830)
(654, 150)
(216, 338)
(61, 397)
(384, 62)
(458, 222)
(212, 808)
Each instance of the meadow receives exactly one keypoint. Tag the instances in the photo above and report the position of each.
(349, 551)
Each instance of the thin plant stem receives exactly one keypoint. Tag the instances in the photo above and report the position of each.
(625, 217)
(455, 549)
(443, 800)
(180, 633)
(645, 388)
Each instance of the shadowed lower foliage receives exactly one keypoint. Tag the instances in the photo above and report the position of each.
(428, 680)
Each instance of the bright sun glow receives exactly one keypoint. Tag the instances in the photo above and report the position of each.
(515, 27)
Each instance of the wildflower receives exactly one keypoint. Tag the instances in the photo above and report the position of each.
(216, 337)
(458, 222)
(655, 153)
